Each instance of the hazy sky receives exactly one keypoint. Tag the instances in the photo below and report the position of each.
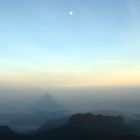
(69, 43)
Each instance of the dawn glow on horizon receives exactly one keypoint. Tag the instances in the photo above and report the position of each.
(73, 43)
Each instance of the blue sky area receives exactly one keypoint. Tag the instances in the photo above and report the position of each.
(42, 44)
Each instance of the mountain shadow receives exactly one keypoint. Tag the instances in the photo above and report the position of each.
(48, 103)
(7, 134)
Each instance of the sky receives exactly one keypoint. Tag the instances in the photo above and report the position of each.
(69, 43)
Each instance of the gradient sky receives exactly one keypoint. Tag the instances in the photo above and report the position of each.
(42, 44)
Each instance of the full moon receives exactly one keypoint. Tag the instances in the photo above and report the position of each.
(71, 13)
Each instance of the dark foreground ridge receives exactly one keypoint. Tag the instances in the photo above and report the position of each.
(81, 127)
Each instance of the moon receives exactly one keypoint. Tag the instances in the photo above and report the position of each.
(71, 13)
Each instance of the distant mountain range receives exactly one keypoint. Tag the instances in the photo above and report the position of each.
(81, 127)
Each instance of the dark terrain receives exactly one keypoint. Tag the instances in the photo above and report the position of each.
(80, 127)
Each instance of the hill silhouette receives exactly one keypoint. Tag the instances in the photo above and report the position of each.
(99, 124)
(89, 126)
(5, 129)
(107, 112)
(7, 134)
(82, 127)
